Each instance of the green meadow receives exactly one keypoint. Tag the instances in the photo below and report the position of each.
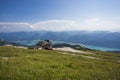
(29, 64)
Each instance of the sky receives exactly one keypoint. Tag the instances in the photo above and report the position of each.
(59, 15)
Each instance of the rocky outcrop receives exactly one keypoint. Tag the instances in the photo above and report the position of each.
(46, 44)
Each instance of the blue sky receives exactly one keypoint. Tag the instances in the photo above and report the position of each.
(75, 14)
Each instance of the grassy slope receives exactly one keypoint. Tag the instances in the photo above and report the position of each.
(25, 64)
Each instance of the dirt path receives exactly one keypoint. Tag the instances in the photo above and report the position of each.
(68, 49)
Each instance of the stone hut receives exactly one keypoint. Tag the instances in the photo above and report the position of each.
(46, 44)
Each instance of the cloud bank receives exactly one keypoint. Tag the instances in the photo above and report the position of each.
(14, 27)
(94, 24)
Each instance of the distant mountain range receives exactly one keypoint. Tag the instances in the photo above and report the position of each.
(97, 38)
(3, 43)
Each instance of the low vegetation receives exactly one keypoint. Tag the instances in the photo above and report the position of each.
(29, 64)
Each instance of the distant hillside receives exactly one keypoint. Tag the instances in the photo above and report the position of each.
(3, 42)
(77, 47)
(100, 38)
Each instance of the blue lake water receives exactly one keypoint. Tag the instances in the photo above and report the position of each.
(102, 48)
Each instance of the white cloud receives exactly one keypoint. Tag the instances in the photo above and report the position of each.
(56, 25)
(94, 24)
(102, 25)
(93, 21)
(89, 25)
(14, 26)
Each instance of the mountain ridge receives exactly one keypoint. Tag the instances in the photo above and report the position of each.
(100, 38)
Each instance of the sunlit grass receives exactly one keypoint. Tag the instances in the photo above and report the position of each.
(26, 64)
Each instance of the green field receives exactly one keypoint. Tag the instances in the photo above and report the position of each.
(28, 64)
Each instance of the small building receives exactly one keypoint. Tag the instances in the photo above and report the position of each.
(46, 44)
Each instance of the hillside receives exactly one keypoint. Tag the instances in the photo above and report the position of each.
(77, 47)
(28, 64)
(3, 43)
